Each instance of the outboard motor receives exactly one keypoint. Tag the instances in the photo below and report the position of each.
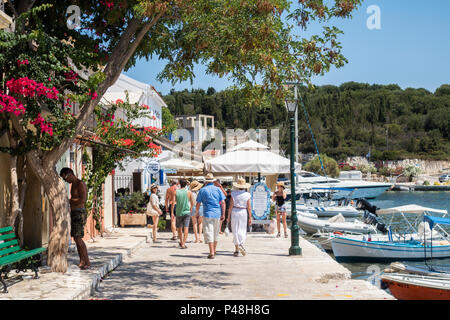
(363, 204)
(372, 219)
(370, 216)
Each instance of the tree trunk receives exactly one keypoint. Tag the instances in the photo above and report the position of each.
(15, 206)
(56, 192)
(59, 205)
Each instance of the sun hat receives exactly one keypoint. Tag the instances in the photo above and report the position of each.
(241, 184)
(209, 178)
(281, 184)
(195, 185)
(153, 186)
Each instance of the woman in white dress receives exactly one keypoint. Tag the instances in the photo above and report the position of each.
(240, 207)
(153, 210)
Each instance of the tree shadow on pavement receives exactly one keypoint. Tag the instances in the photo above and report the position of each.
(145, 279)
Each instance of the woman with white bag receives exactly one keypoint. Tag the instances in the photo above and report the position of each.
(240, 207)
(153, 210)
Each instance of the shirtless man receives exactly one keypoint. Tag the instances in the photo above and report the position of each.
(169, 203)
(78, 214)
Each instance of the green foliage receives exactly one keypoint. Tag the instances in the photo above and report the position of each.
(426, 183)
(162, 224)
(330, 165)
(168, 121)
(133, 203)
(370, 168)
(385, 171)
(347, 120)
(412, 171)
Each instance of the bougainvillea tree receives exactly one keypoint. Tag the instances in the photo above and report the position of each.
(119, 139)
(257, 43)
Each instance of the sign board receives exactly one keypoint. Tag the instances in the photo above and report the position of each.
(152, 167)
(260, 193)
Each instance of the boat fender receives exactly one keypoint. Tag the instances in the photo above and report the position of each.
(338, 233)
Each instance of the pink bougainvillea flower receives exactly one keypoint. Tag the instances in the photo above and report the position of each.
(30, 88)
(119, 101)
(45, 127)
(22, 62)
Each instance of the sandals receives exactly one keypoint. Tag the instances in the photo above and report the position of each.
(236, 254)
(174, 238)
(210, 256)
(285, 235)
(242, 250)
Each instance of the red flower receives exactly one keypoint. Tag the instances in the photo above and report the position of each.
(22, 62)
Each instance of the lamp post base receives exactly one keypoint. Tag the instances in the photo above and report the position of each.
(295, 251)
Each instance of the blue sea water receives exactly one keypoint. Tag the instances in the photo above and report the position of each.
(436, 200)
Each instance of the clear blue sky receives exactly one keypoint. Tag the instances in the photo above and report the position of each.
(412, 49)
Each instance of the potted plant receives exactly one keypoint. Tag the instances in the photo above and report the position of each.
(133, 209)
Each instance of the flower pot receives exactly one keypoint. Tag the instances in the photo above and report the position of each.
(139, 219)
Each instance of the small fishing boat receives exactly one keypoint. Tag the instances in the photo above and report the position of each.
(398, 267)
(406, 246)
(417, 287)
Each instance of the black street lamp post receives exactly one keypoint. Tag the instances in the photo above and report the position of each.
(294, 250)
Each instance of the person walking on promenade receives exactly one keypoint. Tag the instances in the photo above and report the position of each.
(197, 223)
(78, 214)
(184, 201)
(219, 185)
(279, 197)
(227, 207)
(240, 207)
(153, 210)
(213, 202)
(168, 202)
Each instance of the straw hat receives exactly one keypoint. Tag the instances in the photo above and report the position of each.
(209, 178)
(195, 185)
(153, 186)
(281, 184)
(241, 184)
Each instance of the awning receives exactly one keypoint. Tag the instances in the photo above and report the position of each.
(412, 208)
(250, 161)
(436, 220)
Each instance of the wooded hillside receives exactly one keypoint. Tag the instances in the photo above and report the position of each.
(347, 120)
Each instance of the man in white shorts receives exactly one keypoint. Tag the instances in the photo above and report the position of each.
(213, 201)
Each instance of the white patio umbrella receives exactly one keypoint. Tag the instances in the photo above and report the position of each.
(250, 161)
(182, 165)
(249, 145)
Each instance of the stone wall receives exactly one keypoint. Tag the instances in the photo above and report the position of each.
(426, 166)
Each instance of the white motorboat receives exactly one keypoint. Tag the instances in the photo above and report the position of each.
(427, 243)
(319, 202)
(342, 188)
(334, 224)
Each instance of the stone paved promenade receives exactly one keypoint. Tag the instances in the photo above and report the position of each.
(144, 270)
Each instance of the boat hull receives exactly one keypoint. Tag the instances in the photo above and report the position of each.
(326, 212)
(345, 249)
(412, 288)
(311, 226)
(361, 192)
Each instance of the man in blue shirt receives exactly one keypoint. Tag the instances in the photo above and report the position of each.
(213, 200)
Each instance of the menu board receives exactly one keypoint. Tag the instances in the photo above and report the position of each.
(260, 201)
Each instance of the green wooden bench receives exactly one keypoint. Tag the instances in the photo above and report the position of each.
(14, 257)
